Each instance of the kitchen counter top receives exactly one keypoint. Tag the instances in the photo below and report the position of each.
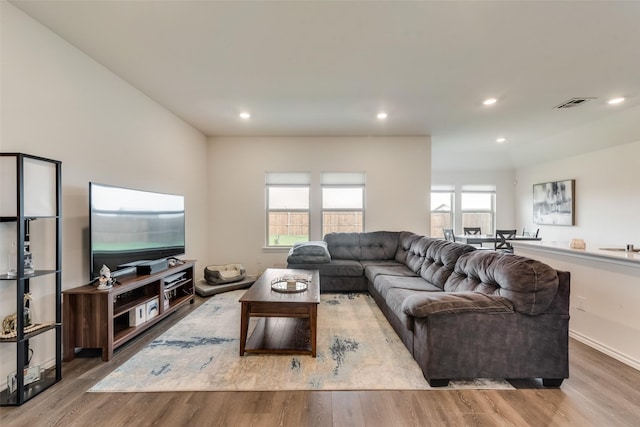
(592, 251)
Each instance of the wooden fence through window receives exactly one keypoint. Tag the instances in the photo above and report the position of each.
(297, 223)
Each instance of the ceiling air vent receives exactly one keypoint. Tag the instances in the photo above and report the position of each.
(573, 102)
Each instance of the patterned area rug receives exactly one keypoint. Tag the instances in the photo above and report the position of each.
(356, 350)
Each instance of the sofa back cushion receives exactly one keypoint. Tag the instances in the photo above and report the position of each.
(405, 240)
(440, 259)
(379, 244)
(529, 284)
(363, 246)
(416, 253)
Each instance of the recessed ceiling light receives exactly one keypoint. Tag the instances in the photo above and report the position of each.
(501, 140)
(245, 115)
(381, 116)
(490, 101)
(616, 100)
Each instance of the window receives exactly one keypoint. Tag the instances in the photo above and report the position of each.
(287, 208)
(478, 208)
(342, 202)
(342, 210)
(441, 211)
(297, 210)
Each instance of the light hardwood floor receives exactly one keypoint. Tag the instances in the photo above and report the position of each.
(600, 392)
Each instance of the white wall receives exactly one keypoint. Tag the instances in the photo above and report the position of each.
(504, 182)
(607, 199)
(398, 173)
(61, 104)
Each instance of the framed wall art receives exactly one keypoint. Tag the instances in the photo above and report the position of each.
(554, 203)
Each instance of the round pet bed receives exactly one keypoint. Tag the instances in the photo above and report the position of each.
(222, 274)
(204, 289)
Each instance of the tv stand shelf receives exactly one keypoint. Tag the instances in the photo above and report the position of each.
(175, 285)
(102, 318)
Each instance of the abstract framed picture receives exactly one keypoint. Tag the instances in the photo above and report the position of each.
(554, 203)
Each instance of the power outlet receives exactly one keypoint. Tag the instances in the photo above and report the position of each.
(581, 303)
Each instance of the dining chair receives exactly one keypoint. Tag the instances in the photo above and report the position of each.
(502, 240)
(448, 234)
(526, 233)
(472, 231)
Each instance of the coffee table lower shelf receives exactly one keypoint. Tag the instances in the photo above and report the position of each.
(280, 335)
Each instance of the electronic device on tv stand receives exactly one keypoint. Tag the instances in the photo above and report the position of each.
(151, 267)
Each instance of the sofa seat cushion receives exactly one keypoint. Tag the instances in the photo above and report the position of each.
(341, 267)
(309, 253)
(383, 283)
(433, 304)
(390, 268)
(381, 263)
(530, 285)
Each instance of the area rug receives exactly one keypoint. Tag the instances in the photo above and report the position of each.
(356, 350)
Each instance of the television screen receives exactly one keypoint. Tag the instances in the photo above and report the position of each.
(130, 226)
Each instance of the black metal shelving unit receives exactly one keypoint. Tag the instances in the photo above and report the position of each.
(24, 283)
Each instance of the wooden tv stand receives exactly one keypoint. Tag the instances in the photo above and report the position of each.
(108, 318)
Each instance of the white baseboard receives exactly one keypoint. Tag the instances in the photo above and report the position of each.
(605, 349)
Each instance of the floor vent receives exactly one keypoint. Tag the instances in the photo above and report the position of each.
(573, 102)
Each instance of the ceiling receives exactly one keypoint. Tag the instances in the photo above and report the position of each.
(325, 68)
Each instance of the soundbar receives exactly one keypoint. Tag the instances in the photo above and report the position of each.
(123, 272)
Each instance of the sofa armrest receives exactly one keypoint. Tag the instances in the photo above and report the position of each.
(441, 303)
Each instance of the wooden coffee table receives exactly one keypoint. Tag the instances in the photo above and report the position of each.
(288, 321)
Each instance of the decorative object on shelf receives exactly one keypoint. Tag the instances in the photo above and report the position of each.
(26, 310)
(9, 322)
(27, 330)
(172, 262)
(554, 203)
(105, 279)
(138, 315)
(577, 244)
(152, 308)
(12, 272)
(290, 283)
(28, 261)
(31, 375)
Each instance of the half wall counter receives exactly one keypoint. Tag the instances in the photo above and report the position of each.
(605, 294)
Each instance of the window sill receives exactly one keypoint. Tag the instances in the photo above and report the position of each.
(276, 249)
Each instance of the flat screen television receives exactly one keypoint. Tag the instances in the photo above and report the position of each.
(128, 226)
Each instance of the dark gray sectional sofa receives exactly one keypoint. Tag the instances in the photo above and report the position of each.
(462, 313)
